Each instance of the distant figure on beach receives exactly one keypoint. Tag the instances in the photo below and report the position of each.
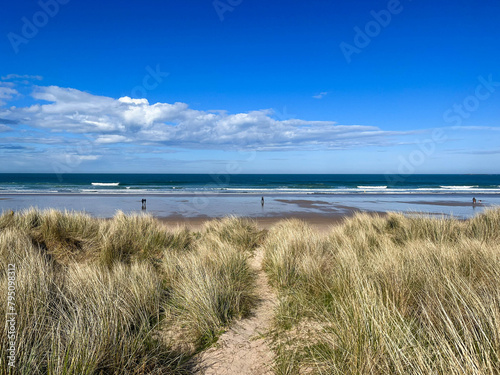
(474, 200)
(143, 204)
(262, 201)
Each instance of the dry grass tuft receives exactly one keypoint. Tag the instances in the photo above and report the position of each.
(139, 237)
(391, 295)
(97, 296)
(213, 283)
(239, 232)
(210, 287)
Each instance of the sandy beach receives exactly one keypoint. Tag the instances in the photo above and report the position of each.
(193, 211)
(321, 210)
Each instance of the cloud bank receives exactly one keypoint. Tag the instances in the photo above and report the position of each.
(109, 120)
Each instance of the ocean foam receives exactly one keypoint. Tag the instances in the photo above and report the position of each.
(105, 183)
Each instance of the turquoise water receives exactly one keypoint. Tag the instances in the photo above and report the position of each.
(179, 184)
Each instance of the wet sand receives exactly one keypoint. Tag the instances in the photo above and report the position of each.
(304, 203)
(447, 203)
(321, 210)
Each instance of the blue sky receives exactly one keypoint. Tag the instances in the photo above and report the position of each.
(246, 86)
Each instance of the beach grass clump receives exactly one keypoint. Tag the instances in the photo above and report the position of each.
(405, 229)
(107, 320)
(383, 295)
(484, 226)
(32, 300)
(287, 246)
(100, 296)
(24, 220)
(210, 284)
(68, 235)
(242, 233)
(128, 237)
(209, 287)
(83, 318)
(76, 236)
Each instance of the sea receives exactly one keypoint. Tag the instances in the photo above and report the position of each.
(307, 184)
(182, 196)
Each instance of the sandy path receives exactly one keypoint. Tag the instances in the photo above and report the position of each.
(242, 350)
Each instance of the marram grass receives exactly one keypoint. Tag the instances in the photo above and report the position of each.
(98, 296)
(375, 295)
(387, 295)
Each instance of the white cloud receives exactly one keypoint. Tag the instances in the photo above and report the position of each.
(108, 120)
(129, 100)
(6, 94)
(113, 138)
(21, 76)
(320, 95)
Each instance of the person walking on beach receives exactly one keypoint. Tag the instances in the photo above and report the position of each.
(474, 200)
(262, 201)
